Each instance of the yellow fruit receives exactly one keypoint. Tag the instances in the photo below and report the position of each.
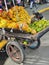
(25, 43)
(3, 23)
(10, 11)
(33, 32)
(10, 14)
(16, 17)
(24, 27)
(11, 25)
(17, 26)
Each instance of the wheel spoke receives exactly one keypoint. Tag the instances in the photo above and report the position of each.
(18, 55)
(11, 50)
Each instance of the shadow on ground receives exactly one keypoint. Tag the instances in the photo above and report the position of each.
(3, 57)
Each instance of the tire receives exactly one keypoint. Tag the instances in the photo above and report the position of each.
(17, 50)
(36, 46)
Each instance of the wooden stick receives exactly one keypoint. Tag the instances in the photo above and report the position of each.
(6, 5)
(13, 2)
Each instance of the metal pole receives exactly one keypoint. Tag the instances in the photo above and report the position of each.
(13, 2)
(6, 5)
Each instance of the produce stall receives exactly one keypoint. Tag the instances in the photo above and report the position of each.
(19, 30)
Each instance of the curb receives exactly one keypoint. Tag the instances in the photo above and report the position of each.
(41, 11)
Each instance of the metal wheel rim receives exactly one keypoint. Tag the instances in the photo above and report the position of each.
(14, 53)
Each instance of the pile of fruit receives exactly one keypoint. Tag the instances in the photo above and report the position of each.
(18, 18)
(17, 14)
(39, 25)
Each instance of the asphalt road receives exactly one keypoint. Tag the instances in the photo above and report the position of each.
(32, 57)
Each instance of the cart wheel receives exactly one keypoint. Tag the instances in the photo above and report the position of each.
(15, 51)
(35, 44)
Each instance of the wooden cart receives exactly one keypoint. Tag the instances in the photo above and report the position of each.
(13, 40)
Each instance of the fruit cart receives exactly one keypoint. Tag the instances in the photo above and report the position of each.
(16, 41)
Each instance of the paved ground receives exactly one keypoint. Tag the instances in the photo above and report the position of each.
(33, 57)
(36, 9)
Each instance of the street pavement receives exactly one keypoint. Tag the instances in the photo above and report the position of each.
(39, 7)
(33, 57)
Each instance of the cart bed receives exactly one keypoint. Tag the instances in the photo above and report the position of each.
(21, 34)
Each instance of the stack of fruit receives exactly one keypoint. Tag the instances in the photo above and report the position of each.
(4, 23)
(39, 25)
(18, 18)
(17, 14)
